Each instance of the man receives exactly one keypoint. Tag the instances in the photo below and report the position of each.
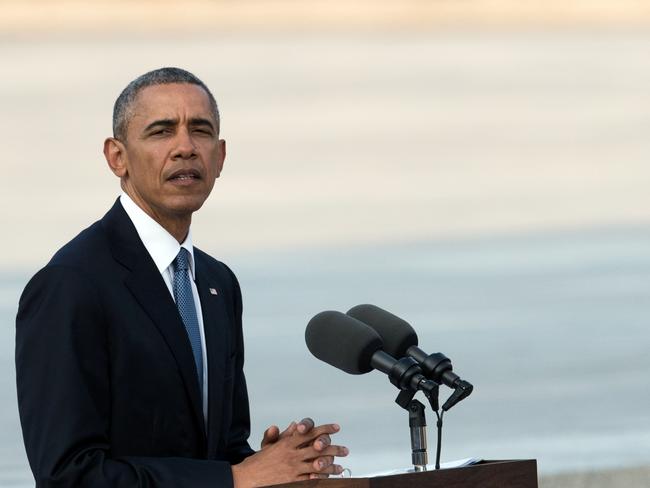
(129, 350)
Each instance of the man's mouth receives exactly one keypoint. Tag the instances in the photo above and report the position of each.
(185, 175)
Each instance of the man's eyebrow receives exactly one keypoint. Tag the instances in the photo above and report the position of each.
(194, 122)
(198, 121)
(161, 123)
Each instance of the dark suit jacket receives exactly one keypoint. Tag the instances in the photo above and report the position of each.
(107, 387)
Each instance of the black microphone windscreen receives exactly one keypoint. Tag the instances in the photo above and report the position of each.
(342, 341)
(396, 334)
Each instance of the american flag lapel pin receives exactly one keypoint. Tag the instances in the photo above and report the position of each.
(213, 291)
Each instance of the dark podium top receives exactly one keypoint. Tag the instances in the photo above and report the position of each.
(486, 474)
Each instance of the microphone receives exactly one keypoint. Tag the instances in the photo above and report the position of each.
(352, 346)
(400, 339)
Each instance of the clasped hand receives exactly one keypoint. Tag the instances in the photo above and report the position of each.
(302, 451)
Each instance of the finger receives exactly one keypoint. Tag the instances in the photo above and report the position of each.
(322, 442)
(307, 439)
(319, 444)
(291, 428)
(312, 468)
(271, 435)
(338, 451)
(315, 476)
(321, 463)
(332, 469)
(325, 429)
(305, 425)
(288, 433)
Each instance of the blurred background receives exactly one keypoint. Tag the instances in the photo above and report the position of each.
(478, 167)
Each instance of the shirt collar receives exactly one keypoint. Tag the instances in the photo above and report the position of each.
(160, 244)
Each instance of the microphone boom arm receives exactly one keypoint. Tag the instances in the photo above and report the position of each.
(438, 368)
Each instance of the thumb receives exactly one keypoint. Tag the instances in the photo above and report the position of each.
(271, 435)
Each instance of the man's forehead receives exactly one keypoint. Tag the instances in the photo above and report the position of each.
(172, 101)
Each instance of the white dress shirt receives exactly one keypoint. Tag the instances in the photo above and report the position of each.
(163, 249)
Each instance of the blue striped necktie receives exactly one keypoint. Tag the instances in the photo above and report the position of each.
(187, 309)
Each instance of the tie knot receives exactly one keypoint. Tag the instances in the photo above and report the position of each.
(182, 260)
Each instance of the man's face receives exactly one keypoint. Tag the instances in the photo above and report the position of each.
(173, 153)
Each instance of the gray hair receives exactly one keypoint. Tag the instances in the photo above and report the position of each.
(123, 108)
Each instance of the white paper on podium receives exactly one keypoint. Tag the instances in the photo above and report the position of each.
(459, 463)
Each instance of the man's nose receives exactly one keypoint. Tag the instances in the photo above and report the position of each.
(185, 148)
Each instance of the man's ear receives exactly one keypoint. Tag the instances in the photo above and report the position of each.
(222, 156)
(115, 154)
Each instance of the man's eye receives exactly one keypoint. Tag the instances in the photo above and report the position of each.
(159, 132)
(203, 131)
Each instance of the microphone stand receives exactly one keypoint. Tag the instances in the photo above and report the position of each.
(406, 375)
(418, 425)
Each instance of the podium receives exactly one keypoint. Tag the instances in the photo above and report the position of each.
(486, 474)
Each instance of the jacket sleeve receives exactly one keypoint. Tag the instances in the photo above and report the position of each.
(63, 383)
(238, 447)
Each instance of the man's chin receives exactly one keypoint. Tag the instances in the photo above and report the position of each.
(183, 206)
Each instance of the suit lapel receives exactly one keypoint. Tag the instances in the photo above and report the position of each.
(149, 289)
(217, 338)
